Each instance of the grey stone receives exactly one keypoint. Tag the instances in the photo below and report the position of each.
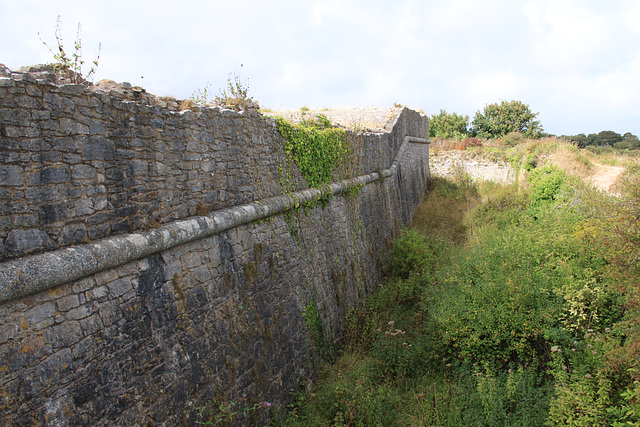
(40, 312)
(98, 148)
(14, 117)
(68, 302)
(72, 127)
(84, 207)
(55, 174)
(23, 242)
(84, 172)
(74, 234)
(11, 175)
(53, 212)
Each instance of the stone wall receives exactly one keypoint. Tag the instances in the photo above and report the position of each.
(449, 163)
(153, 265)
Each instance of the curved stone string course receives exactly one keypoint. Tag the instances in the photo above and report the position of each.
(151, 263)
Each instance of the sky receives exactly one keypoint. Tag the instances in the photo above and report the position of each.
(575, 62)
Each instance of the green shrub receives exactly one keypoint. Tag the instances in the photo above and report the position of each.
(497, 120)
(412, 253)
(448, 125)
(545, 184)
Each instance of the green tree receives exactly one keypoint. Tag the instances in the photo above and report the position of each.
(448, 125)
(498, 120)
(606, 137)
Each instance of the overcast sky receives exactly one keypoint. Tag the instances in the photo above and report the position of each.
(576, 62)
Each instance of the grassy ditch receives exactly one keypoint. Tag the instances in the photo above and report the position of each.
(502, 306)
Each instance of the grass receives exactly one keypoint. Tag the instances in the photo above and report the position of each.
(502, 306)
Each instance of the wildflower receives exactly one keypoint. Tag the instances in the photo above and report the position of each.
(264, 404)
(554, 349)
(607, 330)
(588, 376)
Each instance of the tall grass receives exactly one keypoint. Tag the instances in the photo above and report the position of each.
(502, 306)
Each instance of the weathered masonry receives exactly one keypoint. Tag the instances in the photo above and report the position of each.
(151, 261)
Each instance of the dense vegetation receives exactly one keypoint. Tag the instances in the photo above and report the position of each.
(513, 305)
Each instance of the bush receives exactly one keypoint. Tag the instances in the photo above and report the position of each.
(498, 120)
(412, 253)
(448, 125)
(545, 184)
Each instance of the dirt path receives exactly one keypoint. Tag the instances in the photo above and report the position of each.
(605, 176)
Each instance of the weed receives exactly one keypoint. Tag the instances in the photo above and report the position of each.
(236, 94)
(70, 65)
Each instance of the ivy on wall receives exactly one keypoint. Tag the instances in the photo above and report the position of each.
(315, 146)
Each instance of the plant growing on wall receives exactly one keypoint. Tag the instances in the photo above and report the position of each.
(236, 94)
(315, 146)
(70, 65)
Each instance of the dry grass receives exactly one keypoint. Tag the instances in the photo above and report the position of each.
(442, 213)
(575, 163)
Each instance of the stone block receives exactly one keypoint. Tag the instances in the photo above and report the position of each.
(50, 213)
(98, 148)
(15, 117)
(11, 175)
(84, 207)
(23, 242)
(119, 287)
(78, 313)
(55, 174)
(68, 302)
(64, 334)
(83, 171)
(72, 127)
(74, 234)
(40, 312)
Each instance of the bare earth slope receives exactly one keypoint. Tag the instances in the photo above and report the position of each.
(605, 177)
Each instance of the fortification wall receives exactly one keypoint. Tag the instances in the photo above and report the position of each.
(449, 163)
(152, 264)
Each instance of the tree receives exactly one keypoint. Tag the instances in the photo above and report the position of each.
(500, 119)
(606, 137)
(445, 125)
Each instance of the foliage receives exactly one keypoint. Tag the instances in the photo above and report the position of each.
(530, 319)
(411, 253)
(606, 138)
(497, 120)
(545, 184)
(448, 125)
(70, 66)
(315, 146)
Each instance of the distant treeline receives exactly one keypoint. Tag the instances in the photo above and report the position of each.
(508, 119)
(606, 138)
